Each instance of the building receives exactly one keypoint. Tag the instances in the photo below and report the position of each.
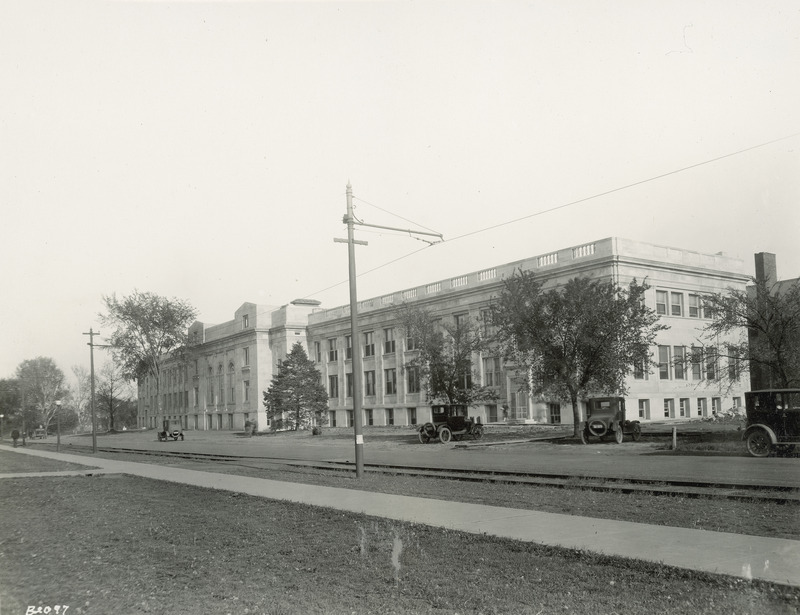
(228, 366)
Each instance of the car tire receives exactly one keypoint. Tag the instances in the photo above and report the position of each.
(477, 432)
(618, 435)
(759, 443)
(445, 435)
(637, 432)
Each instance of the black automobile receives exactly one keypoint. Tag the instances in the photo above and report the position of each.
(172, 429)
(605, 417)
(450, 422)
(773, 421)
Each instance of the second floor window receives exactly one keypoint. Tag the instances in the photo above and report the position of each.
(369, 383)
(333, 354)
(369, 344)
(348, 347)
(388, 342)
(412, 380)
(390, 378)
(661, 302)
(333, 387)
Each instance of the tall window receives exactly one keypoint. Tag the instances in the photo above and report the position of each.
(412, 416)
(701, 406)
(389, 416)
(676, 304)
(644, 409)
(733, 364)
(412, 380)
(246, 390)
(697, 364)
(412, 343)
(388, 341)
(210, 387)
(318, 352)
(716, 405)
(711, 366)
(554, 412)
(370, 417)
(685, 410)
(369, 383)
(333, 387)
(694, 306)
(246, 355)
(639, 372)
(669, 408)
(369, 344)
(491, 372)
(332, 420)
(663, 362)
(461, 320)
(661, 302)
(231, 387)
(245, 321)
(348, 347)
(220, 388)
(679, 361)
(348, 379)
(333, 354)
(390, 378)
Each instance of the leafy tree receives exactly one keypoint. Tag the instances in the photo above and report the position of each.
(577, 340)
(296, 397)
(9, 403)
(113, 395)
(146, 329)
(444, 357)
(41, 385)
(763, 326)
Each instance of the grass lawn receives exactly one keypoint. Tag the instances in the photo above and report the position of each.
(117, 544)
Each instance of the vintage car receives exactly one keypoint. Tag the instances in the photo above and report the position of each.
(172, 429)
(605, 417)
(450, 422)
(39, 433)
(773, 421)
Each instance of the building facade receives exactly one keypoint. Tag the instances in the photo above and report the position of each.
(231, 365)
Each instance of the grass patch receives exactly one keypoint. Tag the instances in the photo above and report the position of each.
(14, 463)
(131, 545)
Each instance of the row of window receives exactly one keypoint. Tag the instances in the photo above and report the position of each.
(393, 416)
(685, 407)
(671, 303)
(389, 382)
(682, 363)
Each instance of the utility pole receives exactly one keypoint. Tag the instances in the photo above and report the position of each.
(91, 345)
(350, 220)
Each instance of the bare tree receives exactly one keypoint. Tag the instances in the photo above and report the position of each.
(41, 384)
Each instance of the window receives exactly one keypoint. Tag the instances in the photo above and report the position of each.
(491, 372)
(231, 386)
(487, 327)
(390, 378)
(733, 364)
(245, 321)
(210, 387)
(554, 411)
(332, 419)
(246, 350)
(669, 408)
(369, 344)
(663, 362)
(716, 405)
(701, 406)
(317, 352)
(348, 347)
(348, 379)
(676, 304)
(196, 399)
(246, 390)
(412, 416)
(461, 320)
(661, 302)
(491, 413)
(711, 367)
(685, 410)
(694, 306)
(220, 388)
(369, 383)
(370, 417)
(333, 387)
(389, 416)
(349, 422)
(412, 343)
(638, 371)
(679, 361)
(388, 341)
(644, 409)
(737, 402)
(412, 380)
(333, 354)
(697, 363)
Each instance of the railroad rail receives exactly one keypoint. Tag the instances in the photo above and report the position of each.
(673, 487)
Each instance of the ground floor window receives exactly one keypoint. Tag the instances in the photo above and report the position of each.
(554, 413)
(390, 416)
(684, 408)
(716, 405)
(644, 409)
(210, 421)
(219, 421)
(333, 418)
(349, 418)
(701, 406)
(491, 413)
(369, 417)
(669, 408)
(412, 416)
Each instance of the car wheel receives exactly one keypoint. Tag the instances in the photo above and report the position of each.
(477, 432)
(637, 432)
(445, 435)
(585, 436)
(618, 435)
(424, 438)
(759, 443)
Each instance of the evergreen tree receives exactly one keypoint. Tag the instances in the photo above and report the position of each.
(296, 398)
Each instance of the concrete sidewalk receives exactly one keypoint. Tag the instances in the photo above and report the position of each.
(750, 557)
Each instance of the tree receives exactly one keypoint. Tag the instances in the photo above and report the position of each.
(82, 395)
(763, 327)
(113, 395)
(41, 385)
(581, 339)
(296, 397)
(444, 357)
(9, 402)
(146, 329)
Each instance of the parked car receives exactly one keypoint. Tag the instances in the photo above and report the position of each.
(172, 429)
(773, 421)
(605, 417)
(450, 422)
(39, 434)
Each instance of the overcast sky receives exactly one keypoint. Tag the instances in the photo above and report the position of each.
(201, 150)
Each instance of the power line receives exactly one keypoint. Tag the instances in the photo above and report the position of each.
(570, 204)
(393, 214)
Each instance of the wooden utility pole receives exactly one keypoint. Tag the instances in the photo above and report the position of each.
(91, 335)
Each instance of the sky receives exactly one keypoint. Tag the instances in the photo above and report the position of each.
(201, 150)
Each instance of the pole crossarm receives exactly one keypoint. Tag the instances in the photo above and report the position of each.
(401, 230)
(356, 241)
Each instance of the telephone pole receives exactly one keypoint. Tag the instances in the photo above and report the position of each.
(91, 345)
(350, 220)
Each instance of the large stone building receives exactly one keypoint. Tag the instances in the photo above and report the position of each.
(219, 384)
